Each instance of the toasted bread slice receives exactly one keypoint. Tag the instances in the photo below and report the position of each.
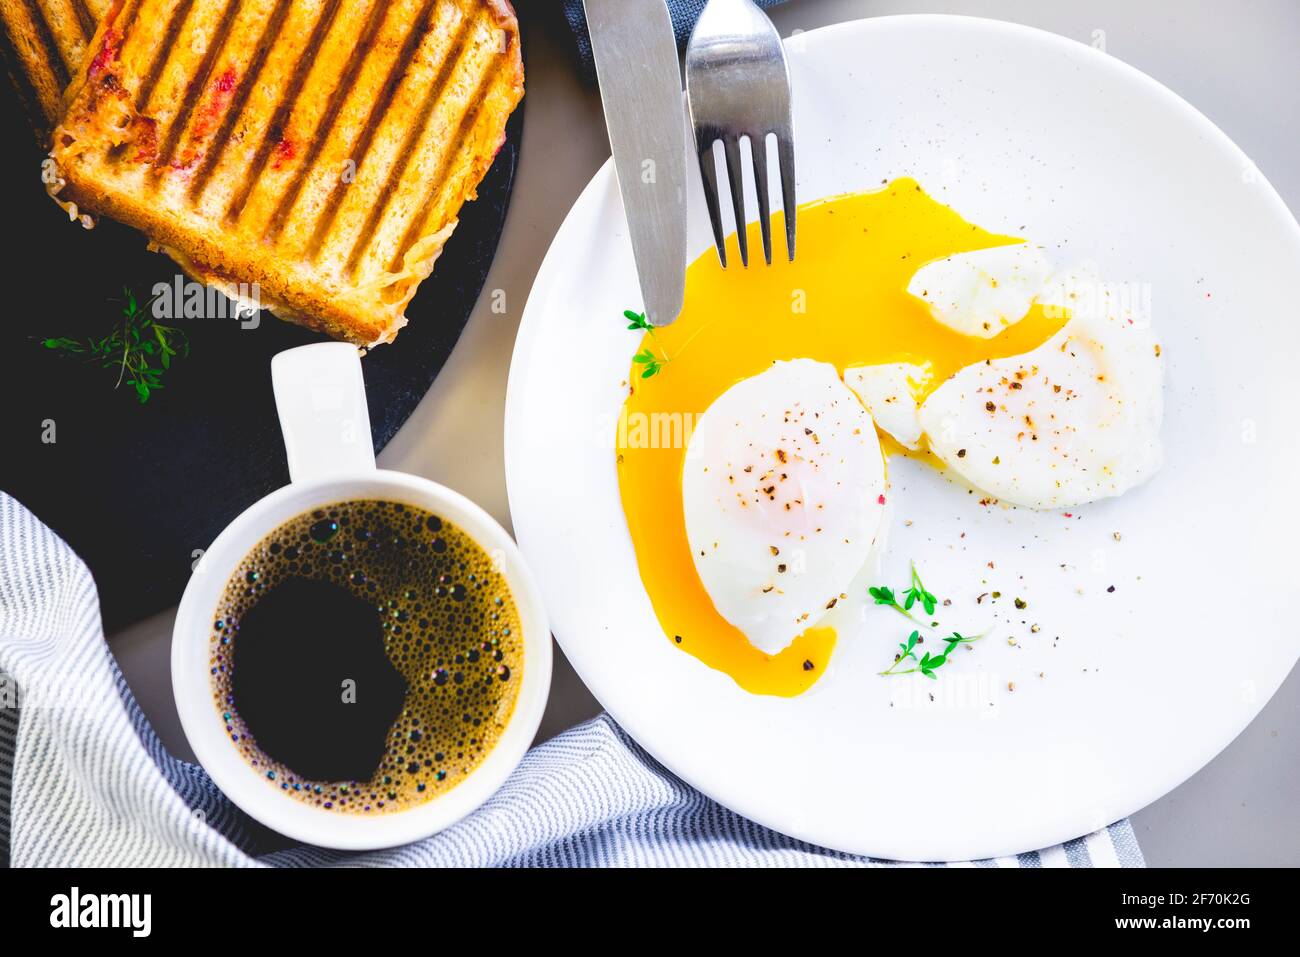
(45, 42)
(317, 150)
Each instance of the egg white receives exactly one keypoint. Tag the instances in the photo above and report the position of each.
(783, 492)
(1073, 421)
(983, 292)
(888, 391)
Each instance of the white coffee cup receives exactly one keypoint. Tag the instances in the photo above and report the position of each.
(320, 396)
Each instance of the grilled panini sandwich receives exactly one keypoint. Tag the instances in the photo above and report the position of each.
(45, 42)
(317, 151)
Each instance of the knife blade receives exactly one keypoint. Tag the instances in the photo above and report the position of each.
(636, 63)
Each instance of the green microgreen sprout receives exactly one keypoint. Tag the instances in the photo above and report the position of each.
(918, 593)
(884, 595)
(927, 664)
(653, 363)
(139, 348)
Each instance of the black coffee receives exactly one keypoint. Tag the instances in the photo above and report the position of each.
(309, 675)
(366, 656)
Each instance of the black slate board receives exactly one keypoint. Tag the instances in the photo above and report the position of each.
(137, 489)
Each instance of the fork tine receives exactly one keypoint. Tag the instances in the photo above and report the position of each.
(758, 150)
(709, 173)
(735, 174)
(785, 158)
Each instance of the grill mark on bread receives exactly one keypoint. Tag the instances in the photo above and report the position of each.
(322, 131)
(364, 180)
(257, 130)
(194, 91)
(294, 141)
(85, 18)
(53, 54)
(66, 30)
(195, 43)
(120, 20)
(282, 113)
(34, 56)
(137, 43)
(410, 145)
(120, 13)
(163, 54)
(420, 223)
(369, 262)
(401, 67)
(221, 139)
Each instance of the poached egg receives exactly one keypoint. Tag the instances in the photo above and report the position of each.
(983, 292)
(889, 392)
(1073, 421)
(783, 493)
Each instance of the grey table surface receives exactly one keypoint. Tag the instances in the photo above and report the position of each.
(1235, 61)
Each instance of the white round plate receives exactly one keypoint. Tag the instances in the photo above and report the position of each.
(1120, 695)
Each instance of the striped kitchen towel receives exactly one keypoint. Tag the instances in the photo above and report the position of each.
(84, 781)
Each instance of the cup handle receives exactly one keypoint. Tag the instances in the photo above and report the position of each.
(320, 396)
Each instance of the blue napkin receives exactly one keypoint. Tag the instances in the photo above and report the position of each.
(683, 12)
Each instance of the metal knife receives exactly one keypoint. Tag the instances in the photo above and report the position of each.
(636, 63)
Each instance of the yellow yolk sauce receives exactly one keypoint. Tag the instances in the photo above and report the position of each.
(843, 300)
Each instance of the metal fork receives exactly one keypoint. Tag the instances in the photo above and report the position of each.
(738, 87)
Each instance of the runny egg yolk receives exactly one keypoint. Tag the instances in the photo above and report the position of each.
(843, 300)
